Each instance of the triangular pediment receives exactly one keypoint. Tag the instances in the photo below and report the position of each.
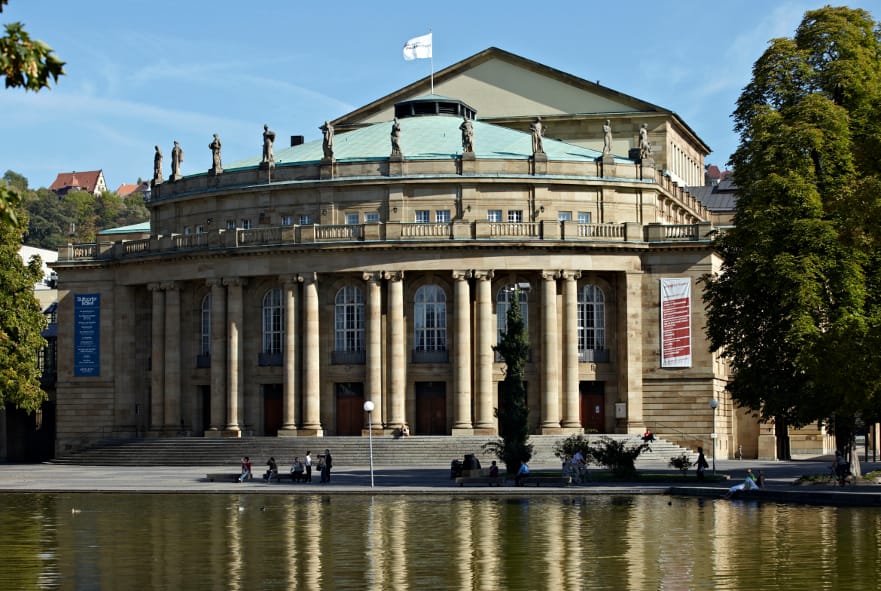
(499, 84)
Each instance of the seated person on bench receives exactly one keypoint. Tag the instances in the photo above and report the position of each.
(297, 468)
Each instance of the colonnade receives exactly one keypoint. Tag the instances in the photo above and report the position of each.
(473, 383)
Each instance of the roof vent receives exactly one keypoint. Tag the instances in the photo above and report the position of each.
(433, 104)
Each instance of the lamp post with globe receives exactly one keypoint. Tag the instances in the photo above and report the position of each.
(368, 408)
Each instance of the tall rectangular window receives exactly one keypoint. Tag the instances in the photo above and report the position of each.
(287, 220)
(230, 224)
(246, 224)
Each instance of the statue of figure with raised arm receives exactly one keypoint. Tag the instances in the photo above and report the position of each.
(538, 130)
(327, 143)
(607, 137)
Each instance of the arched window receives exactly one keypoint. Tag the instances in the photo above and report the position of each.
(205, 333)
(273, 321)
(591, 322)
(503, 304)
(430, 319)
(349, 320)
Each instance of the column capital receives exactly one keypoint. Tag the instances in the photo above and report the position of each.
(289, 279)
(484, 275)
(393, 275)
(156, 286)
(214, 282)
(550, 275)
(570, 275)
(169, 285)
(234, 281)
(308, 278)
(462, 275)
(372, 276)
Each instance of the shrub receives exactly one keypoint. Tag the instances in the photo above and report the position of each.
(565, 449)
(618, 456)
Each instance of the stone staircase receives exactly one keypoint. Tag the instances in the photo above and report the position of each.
(424, 451)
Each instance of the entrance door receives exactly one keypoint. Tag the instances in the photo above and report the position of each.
(350, 415)
(431, 408)
(593, 406)
(273, 409)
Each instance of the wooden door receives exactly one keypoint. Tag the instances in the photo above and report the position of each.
(350, 415)
(431, 408)
(273, 409)
(593, 406)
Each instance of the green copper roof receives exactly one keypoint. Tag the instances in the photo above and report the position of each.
(427, 138)
(142, 227)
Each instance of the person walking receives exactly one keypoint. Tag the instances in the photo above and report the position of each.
(702, 464)
(328, 464)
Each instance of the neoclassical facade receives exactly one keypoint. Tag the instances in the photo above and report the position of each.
(276, 295)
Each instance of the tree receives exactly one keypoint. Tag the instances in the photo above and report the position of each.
(21, 324)
(27, 63)
(512, 412)
(796, 307)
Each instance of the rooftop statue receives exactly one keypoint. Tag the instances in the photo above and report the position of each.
(467, 135)
(157, 166)
(177, 158)
(268, 140)
(607, 137)
(327, 144)
(396, 138)
(214, 146)
(538, 130)
(645, 147)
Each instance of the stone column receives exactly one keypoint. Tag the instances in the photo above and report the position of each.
(289, 425)
(397, 355)
(234, 375)
(486, 329)
(218, 355)
(462, 359)
(374, 345)
(157, 358)
(550, 347)
(172, 358)
(311, 357)
(571, 396)
(631, 364)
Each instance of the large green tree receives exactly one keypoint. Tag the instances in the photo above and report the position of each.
(513, 412)
(29, 64)
(21, 324)
(796, 307)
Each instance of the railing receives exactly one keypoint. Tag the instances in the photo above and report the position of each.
(391, 232)
(339, 232)
(514, 229)
(430, 230)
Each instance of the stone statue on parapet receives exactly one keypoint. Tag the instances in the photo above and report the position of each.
(214, 146)
(268, 139)
(467, 135)
(607, 137)
(396, 138)
(327, 143)
(177, 158)
(538, 130)
(645, 147)
(157, 166)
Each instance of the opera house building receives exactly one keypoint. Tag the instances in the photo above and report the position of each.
(273, 296)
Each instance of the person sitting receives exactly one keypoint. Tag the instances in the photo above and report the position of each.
(297, 469)
(522, 473)
(494, 470)
(405, 431)
(455, 469)
(648, 436)
(272, 471)
(749, 483)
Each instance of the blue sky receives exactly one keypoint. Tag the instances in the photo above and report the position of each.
(141, 73)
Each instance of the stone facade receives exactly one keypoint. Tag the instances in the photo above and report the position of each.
(275, 302)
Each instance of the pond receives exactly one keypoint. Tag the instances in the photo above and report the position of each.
(241, 541)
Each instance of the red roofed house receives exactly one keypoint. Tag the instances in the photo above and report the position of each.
(125, 190)
(90, 180)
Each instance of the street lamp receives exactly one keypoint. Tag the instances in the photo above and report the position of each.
(714, 404)
(368, 408)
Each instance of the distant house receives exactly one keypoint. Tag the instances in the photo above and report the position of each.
(125, 190)
(90, 180)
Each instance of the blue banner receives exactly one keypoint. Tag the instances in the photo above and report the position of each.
(87, 335)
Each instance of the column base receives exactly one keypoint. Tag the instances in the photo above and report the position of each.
(485, 431)
(310, 432)
(285, 432)
(461, 431)
(552, 430)
(572, 430)
(212, 434)
(231, 433)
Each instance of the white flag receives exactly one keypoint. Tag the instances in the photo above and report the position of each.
(418, 48)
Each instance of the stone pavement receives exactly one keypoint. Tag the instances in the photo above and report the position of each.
(779, 476)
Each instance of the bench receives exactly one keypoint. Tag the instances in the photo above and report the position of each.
(480, 476)
(223, 476)
(548, 480)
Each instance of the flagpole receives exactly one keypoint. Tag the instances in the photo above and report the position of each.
(432, 60)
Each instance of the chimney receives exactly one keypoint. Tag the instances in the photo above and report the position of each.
(297, 140)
